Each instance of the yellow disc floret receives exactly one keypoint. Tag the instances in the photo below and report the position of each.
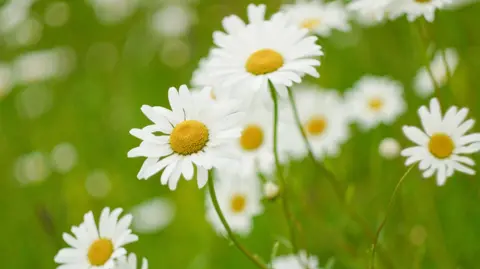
(252, 137)
(264, 61)
(100, 251)
(441, 145)
(189, 137)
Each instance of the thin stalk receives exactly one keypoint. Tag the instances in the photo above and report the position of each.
(231, 235)
(389, 209)
(286, 209)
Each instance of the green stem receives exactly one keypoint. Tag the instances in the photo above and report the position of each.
(283, 182)
(389, 209)
(231, 235)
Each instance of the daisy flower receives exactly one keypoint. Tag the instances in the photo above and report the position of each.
(318, 17)
(324, 119)
(130, 262)
(92, 248)
(389, 148)
(266, 50)
(423, 83)
(376, 100)
(370, 12)
(239, 196)
(417, 8)
(300, 261)
(195, 133)
(442, 144)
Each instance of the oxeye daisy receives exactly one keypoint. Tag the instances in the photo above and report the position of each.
(324, 119)
(442, 144)
(376, 100)
(267, 50)
(92, 248)
(424, 85)
(318, 17)
(369, 12)
(195, 133)
(417, 8)
(300, 261)
(130, 262)
(239, 196)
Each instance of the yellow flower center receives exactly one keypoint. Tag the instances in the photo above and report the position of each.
(188, 137)
(264, 61)
(310, 24)
(316, 125)
(212, 95)
(423, 1)
(100, 251)
(441, 145)
(375, 104)
(238, 203)
(252, 137)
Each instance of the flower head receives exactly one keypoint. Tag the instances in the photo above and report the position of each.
(300, 261)
(369, 12)
(417, 8)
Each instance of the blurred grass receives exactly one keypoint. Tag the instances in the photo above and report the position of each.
(96, 107)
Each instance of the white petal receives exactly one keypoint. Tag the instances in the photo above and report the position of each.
(441, 175)
(187, 169)
(415, 135)
(175, 176)
(202, 176)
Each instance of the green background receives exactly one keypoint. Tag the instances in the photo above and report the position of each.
(96, 106)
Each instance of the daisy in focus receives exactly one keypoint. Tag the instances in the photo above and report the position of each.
(194, 133)
(376, 100)
(318, 17)
(97, 248)
(301, 261)
(239, 196)
(442, 143)
(130, 262)
(324, 119)
(370, 12)
(267, 50)
(417, 8)
(440, 67)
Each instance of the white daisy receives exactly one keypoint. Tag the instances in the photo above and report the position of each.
(92, 248)
(324, 119)
(376, 100)
(172, 21)
(370, 12)
(300, 261)
(319, 17)
(196, 132)
(423, 83)
(441, 145)
(265, 50)
(417, 8)
(152, 215)
(389, 148)
(239, 196)
(130, 262)
(271, 190)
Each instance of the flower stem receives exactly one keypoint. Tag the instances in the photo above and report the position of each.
(231, 235)
(283, 182)
(389, 209)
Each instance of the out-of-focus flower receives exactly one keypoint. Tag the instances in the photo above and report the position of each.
(424, 85)
(26, 33)
(300, 261)
(63, 157)
(113, 11)
(130, 262)
(32, 167)
(13, 13)
(389, 148)
(6, 79)
(375, 100)
(57, 14)
(93, 247)
(34, 101)
(175, 53)
(196, 133)
(271, 190)
(370, 12)
(98, 184)
(442, 144)
(239, 197)
(324, 118)
(172, 21)
(152, 215)
(417, 8)
(318, 17)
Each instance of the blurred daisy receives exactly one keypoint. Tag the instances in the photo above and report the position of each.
(196, 132)
(113, 11)
(442, 143)
(267, 50)
(370, 12)
(32, 167)
(376, 100)
(271, 190)
(152, 215)
(97, 248)
(318, 17)
(202, 78)
(417, 8)
(300, 261)
(324, 119)
(130, 262)
(6, 80)
(239, 197)
(172, 21)
(423, 83)
(389, 148)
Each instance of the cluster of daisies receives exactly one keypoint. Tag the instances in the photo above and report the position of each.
(247, 113)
